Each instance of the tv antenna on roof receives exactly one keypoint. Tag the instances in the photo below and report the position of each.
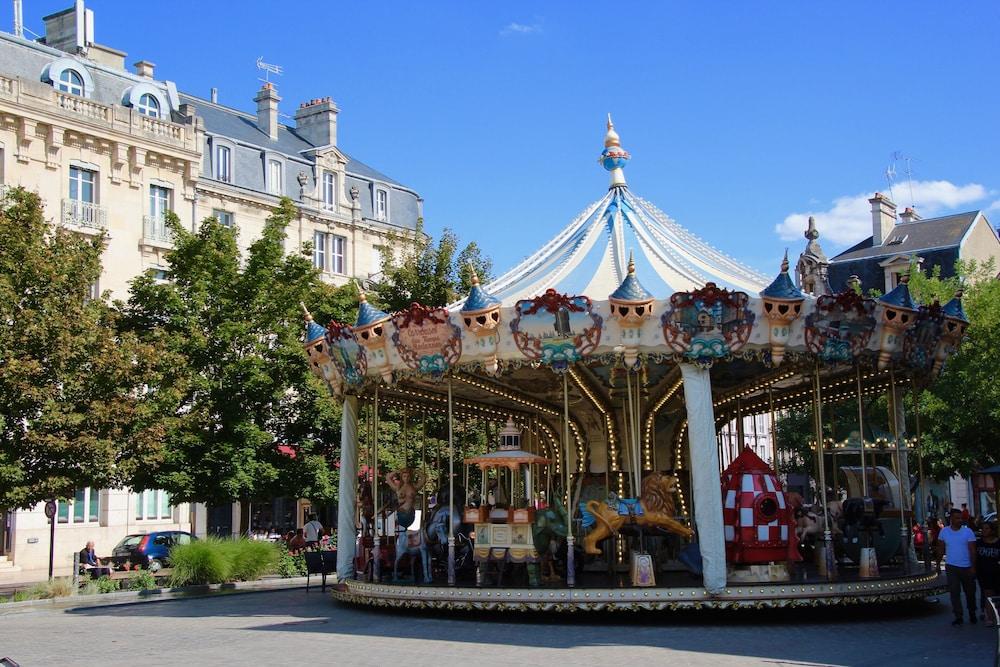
(269, 69)
(896, 157)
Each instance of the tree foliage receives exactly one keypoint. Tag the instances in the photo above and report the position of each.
(75, 409)
(433, 274)
(238, 379)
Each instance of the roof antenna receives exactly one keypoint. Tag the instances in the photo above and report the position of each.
(896, 156)
(269, 69)
(890, 175)
(18, 20)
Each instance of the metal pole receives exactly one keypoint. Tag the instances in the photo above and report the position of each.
(570, 565)
(923, 484)
(52, 542)
(861, 436)
(829, 562)
(451, 489)
(904, 484)
(774, 439)
(377, 543)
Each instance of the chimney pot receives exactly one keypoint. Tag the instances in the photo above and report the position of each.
(883, 218)
(316, 121)
(267, 110)
(909, 214)
(144, 68)
(215, 96)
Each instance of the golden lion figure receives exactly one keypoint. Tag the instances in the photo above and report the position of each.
(657, 503)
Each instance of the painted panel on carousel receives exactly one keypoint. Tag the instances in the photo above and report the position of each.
(426, 339)
(708, 323)
(840, 326)
(921, 341)
(556, 329)
(346, 354)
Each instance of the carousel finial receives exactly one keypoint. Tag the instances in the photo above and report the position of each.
(614, 157)
(784, 262)
(631, 263)
(811, 232)
(306, 315)
(475, 276)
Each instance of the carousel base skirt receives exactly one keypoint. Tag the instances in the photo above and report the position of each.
(736, 596)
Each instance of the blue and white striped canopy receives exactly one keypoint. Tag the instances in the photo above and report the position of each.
(591, 255)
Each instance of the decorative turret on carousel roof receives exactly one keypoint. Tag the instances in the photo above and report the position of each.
(631, 305)
(370, 332)
(782, 306)
(315, 343)
(955, 324)
(899, 312)
(589, 256)
(481, 317)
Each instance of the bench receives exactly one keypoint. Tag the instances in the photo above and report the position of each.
(321, 563)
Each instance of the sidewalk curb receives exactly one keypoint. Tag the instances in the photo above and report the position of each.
(120, 598)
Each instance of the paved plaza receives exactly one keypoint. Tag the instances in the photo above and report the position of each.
(292, 627)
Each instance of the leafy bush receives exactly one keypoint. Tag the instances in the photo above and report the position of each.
(143, 580)
(54, 588)
(215, 561)
(89, 587)
(290, 565)
(21, 596)
(106, 584)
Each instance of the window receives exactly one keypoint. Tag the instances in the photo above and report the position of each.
(223, 164)
(274, 177)
(81, 184)
(337, 245)
(70, 82)
(381, 204)
(159, 201)
(148, 106)
(85, 507)
(319, 250)
(160, 275)
(329, 190)
(224, 217)
(152, 504)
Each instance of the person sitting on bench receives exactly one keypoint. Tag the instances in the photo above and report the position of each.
(89, 562)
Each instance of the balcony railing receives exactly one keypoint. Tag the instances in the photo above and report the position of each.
(84, 214)
(154, 230)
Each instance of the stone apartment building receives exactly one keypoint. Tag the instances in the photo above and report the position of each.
(111, 150)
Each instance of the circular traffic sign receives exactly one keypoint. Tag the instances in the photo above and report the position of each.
(50, 509)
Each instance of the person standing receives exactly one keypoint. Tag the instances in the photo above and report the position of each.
(959, 544)
(988, 569)
(313, 530)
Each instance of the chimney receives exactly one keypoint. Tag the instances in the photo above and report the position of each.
(144, 68)
(215, 96)
(883, 218)
(316, 121)
(909, 214)
(267, 110)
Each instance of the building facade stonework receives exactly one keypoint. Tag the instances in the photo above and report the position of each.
(111, 151)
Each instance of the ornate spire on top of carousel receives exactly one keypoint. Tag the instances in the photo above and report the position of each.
(481, 317)
(631, 304)
(614, 157)
(313, 331)
(782, 306)
(370, 332)
(899, 312)
(811, 269)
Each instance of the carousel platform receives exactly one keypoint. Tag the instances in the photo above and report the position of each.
(810, 592)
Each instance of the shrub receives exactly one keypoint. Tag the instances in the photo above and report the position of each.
(106, 584)
(199, 562)
(143, 580)
(290, 565)
(250, 559)
(21, 596)
(89, 587)
(54, 588)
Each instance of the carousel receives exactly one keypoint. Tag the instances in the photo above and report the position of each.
(608, 362)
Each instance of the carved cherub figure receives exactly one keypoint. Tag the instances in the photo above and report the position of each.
(406, 483)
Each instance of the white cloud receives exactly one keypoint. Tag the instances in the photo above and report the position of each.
(515, 28)
(995, 206)
(849, 219)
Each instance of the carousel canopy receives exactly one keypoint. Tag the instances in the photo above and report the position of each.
(590, 256)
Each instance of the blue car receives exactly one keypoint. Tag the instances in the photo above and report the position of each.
(149, 550)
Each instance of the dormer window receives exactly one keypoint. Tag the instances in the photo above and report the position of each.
(70, 82)
(223, 164)
(381, 205)
(897, 240)
(148, 106)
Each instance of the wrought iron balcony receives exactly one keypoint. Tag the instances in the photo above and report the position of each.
(83, 214)
(155, 231)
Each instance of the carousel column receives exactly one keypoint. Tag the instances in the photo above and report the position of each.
(451, 490)
(898, 422)
(377, 541)
(346, 544)
(570, 540)
(705, 475)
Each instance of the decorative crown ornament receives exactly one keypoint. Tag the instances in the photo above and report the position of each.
(370, 332)
(782, 306)
(899, 313)
(952, 332)
(631, 305)
(481, 317)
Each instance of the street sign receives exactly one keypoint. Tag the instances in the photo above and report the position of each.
(50, 509)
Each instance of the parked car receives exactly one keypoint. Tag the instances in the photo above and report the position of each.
(149, 550)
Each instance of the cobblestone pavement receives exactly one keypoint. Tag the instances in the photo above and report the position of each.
(293, 627)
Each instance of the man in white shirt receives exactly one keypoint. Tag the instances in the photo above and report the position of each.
(314, 529)
(960, 565)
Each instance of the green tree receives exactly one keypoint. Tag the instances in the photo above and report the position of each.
(434, 274)
(79, 406)
(960, 411)
(240, 380)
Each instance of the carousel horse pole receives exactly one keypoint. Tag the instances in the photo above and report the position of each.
(451, 486)
(570, 564)
(377, 541)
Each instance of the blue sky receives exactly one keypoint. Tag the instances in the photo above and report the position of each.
(741, 117)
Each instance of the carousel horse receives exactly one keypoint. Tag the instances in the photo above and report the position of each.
(412, 543)
(654, 507)
(549, 532)
(437, 528)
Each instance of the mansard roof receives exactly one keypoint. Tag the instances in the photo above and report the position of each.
(914, 237)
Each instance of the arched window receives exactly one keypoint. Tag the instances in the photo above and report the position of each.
(148, 106)
(70, 82)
